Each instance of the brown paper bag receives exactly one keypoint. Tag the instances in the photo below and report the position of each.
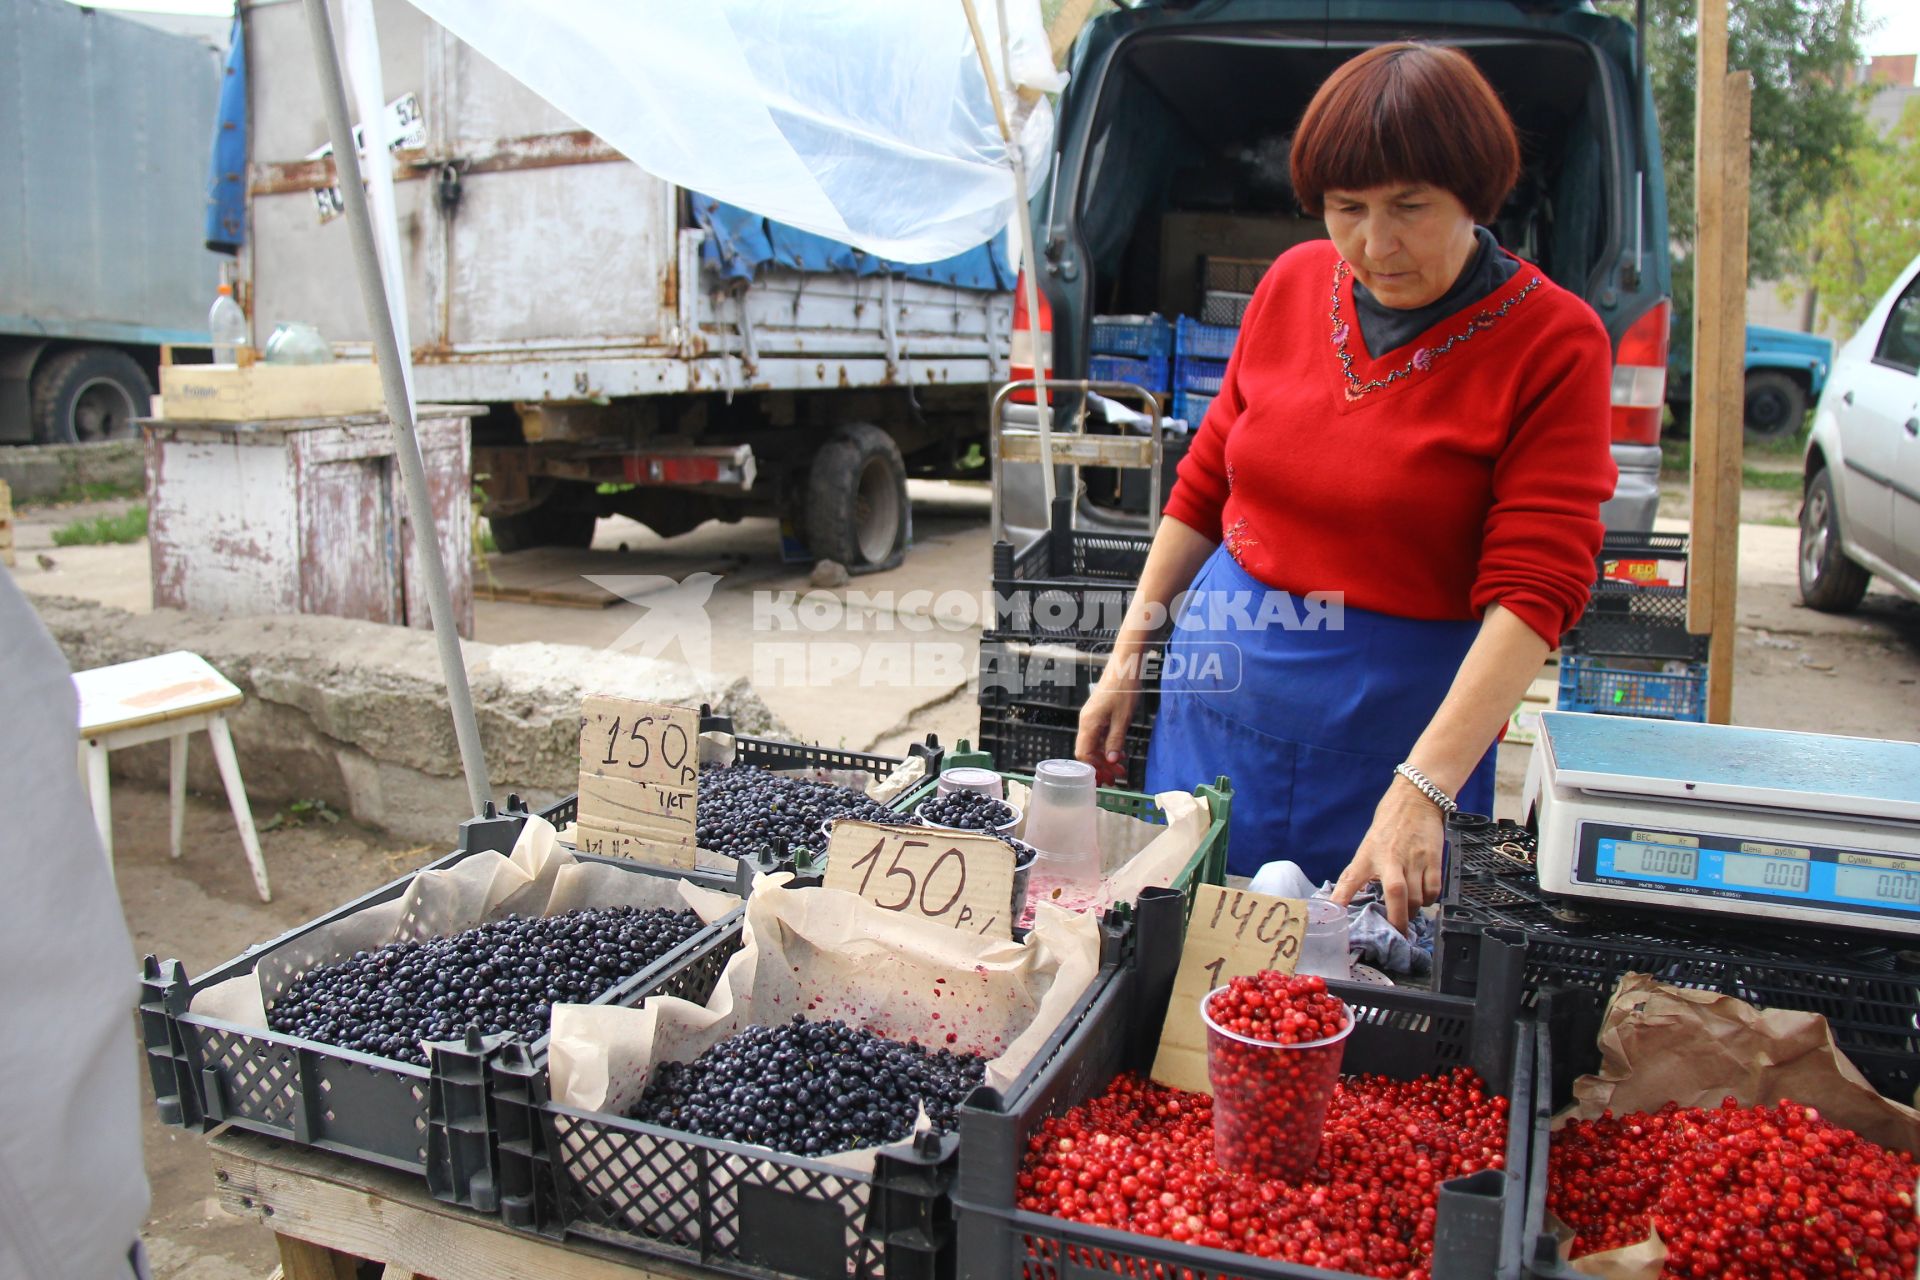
(822, 953)
(1661, 1044)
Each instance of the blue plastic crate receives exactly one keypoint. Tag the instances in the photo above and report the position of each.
(1208, 341)
(1191, 408)
(1149, 374)
(1202, 376)
(1588, 684)
(1147, 336)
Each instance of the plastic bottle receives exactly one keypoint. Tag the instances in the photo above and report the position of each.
(228, 326)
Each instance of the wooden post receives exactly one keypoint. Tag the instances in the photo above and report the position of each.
(1721, 163)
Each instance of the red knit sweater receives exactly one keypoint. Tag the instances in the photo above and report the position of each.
(1472, 478)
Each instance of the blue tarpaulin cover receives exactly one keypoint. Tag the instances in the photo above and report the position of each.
(226, 184)
(738, 244)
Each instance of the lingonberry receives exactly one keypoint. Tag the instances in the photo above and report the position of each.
(1274, 1046)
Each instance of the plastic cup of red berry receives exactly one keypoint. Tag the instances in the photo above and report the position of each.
(1274, 1047)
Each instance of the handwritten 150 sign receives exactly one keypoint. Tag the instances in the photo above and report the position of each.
(962, 881)
(1232, 933)
(639, 770)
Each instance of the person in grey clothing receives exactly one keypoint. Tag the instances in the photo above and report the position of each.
(73, 1188)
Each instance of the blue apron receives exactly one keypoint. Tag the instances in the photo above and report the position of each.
(1306, 710)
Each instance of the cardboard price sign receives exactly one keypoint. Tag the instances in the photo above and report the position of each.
(639, 770)
(952, 878)
(1232, 933)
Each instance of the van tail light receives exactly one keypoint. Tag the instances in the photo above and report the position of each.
(1640, 377)
(1025, 344)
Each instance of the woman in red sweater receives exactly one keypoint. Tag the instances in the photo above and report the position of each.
(1390, 513)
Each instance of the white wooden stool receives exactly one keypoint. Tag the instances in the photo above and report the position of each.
(169, 696)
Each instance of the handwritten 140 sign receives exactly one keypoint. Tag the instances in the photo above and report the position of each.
(1232, 933)
(639, 774)
(949, 877)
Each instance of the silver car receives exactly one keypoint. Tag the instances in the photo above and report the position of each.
(1861, 516)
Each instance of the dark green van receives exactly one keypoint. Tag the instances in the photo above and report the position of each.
(1173, 153)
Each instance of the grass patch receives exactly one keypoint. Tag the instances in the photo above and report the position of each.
(301, 813)
(1676, 463)
(128, 526)
(89, 491)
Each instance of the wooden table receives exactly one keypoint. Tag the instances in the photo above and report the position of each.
(329, 1212)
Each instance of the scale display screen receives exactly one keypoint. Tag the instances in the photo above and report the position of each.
(1691, 864)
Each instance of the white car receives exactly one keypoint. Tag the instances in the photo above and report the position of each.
(1861, 516)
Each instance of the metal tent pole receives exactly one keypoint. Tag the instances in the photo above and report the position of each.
(386, 346)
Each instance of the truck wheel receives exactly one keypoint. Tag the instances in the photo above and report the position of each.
(1829, 581)
(89, 394)
(551, 524)
(857, 511)
(1776, 403)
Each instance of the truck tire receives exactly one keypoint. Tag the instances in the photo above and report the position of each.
(89, 394)
(553, 523)
(857, 510)
(1776, 403)
(1829, 581)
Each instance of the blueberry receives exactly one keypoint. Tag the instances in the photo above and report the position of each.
(757, 1086)
(745, 810)
(386, 1001)
(968, 810)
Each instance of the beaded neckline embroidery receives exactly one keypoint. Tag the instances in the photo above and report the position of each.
(1423, 357)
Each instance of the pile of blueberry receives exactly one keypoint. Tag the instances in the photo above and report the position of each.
(745, 810)
(967, 810)
(505, 975)
(810, 1088)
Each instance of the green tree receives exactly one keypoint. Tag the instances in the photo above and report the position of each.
(1869, 227)
(1806, 121)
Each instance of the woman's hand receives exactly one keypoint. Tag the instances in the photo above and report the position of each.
(1103, 727)
(1401, 850)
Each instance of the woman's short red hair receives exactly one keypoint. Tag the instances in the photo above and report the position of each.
(1402, 113)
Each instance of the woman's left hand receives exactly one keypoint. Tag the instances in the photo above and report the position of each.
(1402, 851)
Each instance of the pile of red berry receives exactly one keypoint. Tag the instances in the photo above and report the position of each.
(1738, 1191)
(1279, 1008)
(1140, 1158)
(1272, 1061)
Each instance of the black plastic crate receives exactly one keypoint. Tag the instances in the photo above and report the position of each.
(1013, 673)
(1625, 621)
(1069, 586)
(1235, 275)
(1021, 737)
(744, 1210)
(1866, 985)
(1634, 558)
(1398, 1033)
(432, 1120)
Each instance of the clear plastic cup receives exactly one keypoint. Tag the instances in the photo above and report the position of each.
(1324, 948)
(969, 778)
(1063, 819)
(1269, 1100)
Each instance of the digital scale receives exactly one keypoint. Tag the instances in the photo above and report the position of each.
(1761, 824)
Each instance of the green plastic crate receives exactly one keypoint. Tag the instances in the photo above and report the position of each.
(1209, 862)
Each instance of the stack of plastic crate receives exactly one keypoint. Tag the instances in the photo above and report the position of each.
(1058, 604)
(1131, 349)
(1632, 654)
(1199, 364)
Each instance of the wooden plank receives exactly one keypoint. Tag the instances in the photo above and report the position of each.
(1729, 464)
(301, 1260)
(1709, 146)
(369, 1212)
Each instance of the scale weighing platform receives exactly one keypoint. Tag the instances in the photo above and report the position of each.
(1761, 824)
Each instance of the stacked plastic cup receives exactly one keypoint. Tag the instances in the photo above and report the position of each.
(1063, 824)
(1324, 948)
(1269, 1100)
(971, 778)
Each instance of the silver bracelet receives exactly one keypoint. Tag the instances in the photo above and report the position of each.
(1424, 785)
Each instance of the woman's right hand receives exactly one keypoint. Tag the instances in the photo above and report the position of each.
(1103, 728)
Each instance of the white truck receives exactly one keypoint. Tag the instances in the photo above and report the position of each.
(103, 143)
(642, 350)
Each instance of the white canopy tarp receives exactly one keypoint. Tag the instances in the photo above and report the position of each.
(868, 121)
